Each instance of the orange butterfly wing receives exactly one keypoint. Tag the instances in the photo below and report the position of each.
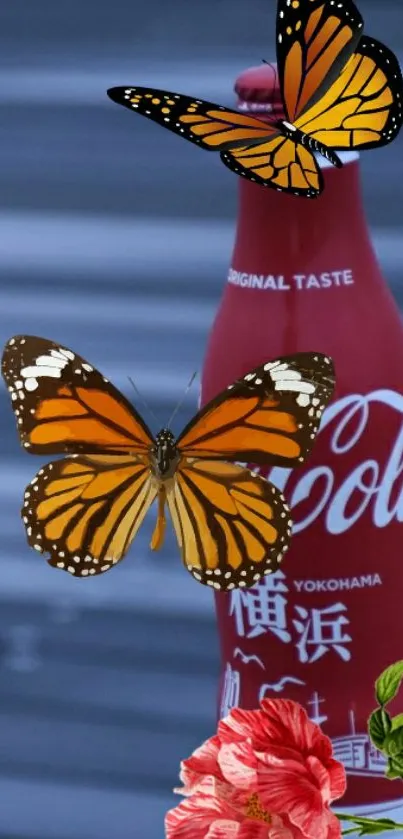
(315, 40)
(270, 416)
(62, 404)
(279, 164)
(210, 126)
(232, 526)
(85, 511)
(363, 109)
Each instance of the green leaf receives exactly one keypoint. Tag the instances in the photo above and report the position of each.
(393, 744)
(397, 721)
(365, 826)
(395, 767)
(379, 726)
(387, 685)
(376, 827)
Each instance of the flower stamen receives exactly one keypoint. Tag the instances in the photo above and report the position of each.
(254, 810)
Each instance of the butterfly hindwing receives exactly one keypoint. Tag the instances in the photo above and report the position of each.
(364, 108)
(210, 126)
(314, 40)
(85, 511)
(280, 164)
(62, 404)
(233, 527)
(270, 416)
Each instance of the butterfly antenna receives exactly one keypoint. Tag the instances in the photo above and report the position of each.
(180, 403)
(274, 68)
(151, 412)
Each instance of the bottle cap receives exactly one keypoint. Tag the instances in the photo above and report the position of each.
(258, 92)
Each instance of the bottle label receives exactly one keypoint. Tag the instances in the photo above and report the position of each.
(299, 282)
(321, 629)
(369, 485)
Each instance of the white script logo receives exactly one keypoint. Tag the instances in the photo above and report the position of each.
(369, 485)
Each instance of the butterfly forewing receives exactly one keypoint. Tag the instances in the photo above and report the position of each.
(85, 511)
(364, 107)
(269, 416)
(62, 404)
(210, 126)
(233, 527)
(315, 39)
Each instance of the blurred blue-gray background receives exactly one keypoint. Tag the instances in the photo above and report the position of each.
(115, 240)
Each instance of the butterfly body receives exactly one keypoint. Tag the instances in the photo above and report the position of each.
(290, 132)
(165, 455)
(84, 510)
(340, 90)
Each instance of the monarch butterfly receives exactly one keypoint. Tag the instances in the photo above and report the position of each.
(84, 510)
(339, 91)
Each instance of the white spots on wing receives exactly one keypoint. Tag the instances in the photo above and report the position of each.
(303, 400)
(57, 354)
(87, 367)
(50, 360)
(31, 384)
(48, 365)
(286, 379)
(68, 354)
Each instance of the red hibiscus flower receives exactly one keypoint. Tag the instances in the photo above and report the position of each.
(266, 774)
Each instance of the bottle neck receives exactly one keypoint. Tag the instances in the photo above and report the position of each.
(287, 232)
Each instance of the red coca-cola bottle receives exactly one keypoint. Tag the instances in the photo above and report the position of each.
(304, 277)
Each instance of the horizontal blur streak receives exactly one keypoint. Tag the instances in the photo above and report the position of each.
(116, 239)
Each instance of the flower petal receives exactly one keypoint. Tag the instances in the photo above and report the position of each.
(250, 829)
(334, 827)
(338, 779)
(286, 722)
(203, 761)
(281, 828)
(223, 829)
(193, 817)
(238, 764)
(239, 725)
(290, 790)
